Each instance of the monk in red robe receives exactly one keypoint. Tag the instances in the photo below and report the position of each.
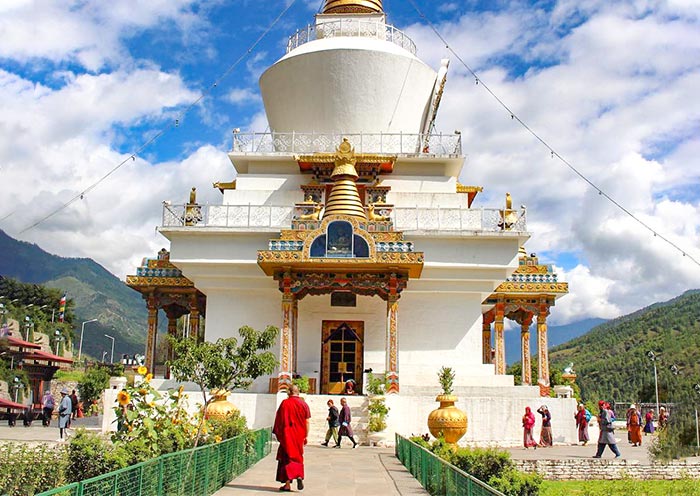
(291, 428)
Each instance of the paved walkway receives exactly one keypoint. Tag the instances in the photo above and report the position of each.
(351, 472)
(569, 452)
(38, 433)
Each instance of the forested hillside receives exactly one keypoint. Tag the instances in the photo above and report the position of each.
(611, 360)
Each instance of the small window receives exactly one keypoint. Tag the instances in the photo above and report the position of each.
(339, 242)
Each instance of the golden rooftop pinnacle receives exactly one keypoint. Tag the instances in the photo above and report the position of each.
(353, 7)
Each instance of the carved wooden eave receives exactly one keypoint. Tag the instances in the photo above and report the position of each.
(470, 191)
(368, 166)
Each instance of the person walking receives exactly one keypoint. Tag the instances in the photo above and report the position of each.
(649, 422)
(546, 432)
(333, 423)
(292, 430)
(528, 426)
(74, 405)
(634, 426)
(663, 418)
(582, 418)
(64, 411)
(607, 431)
(345, 428)
(47, 406)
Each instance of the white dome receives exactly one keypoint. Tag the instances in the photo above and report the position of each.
(347, 85)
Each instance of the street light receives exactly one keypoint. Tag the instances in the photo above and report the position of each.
(27, 325)
(652, 356)
(103, 356)
(82, 330)
(58, 339)
(696, 388)
(111, 358)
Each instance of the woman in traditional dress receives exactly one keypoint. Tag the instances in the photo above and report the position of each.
(634, 426)
(546, 432)
(528, 425)
(649, 422)
(663, 418)
(582, 424)
(345, 428)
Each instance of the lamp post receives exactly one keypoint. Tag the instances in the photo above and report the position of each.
(111, 358)
(16, 386)
(103, 356)
(27, 326)
(58, 339)
(82, 330)
(652, 356)
(696, 388)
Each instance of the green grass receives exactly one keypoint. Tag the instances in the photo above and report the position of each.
(69, 375)
(683, 487)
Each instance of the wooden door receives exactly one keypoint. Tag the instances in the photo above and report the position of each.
(342, 353)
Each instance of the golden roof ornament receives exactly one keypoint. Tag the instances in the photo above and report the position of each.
(353, 7)
(344, 198)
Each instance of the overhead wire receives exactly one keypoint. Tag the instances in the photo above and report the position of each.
(173, 124)
(553, 152)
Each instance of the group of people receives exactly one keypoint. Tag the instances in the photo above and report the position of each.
(68, 409)
(606, 417)
(292, 430)
(529, 424)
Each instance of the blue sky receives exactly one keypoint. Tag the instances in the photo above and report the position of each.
(612, 86)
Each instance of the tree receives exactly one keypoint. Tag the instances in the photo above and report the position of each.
(224, 364)
(95, 380)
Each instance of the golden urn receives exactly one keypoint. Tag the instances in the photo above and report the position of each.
(447, 421)
(220, 408)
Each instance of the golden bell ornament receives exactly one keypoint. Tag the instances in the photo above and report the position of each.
(220, 408)
(448, 421)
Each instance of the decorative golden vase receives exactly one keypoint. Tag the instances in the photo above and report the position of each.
(221, 407)
(447, 421)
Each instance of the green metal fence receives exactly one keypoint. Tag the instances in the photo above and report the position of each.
(436, 475)
(200, 471)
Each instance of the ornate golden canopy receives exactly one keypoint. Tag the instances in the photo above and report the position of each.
(344, 198)
(353, 7)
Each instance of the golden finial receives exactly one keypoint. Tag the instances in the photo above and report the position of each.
(353, 7)
(344, 198)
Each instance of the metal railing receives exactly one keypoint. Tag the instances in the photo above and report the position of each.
(436, 475)
(404, 218)
(362, 28)
(402, 144)
(199, 471)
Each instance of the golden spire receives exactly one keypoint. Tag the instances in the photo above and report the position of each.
(344, 198)
(353, 7)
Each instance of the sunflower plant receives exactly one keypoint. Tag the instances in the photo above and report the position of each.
(157, 422)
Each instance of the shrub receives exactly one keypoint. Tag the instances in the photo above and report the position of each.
(90, 455)
(514, 483)
(377, 414)
(94, 382)
(446, 376)
(33, 468)
(482, 463)
(302, 383)
(231, 426)
(376, 384)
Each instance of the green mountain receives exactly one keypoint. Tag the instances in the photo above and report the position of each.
(555, 335)
(612, 359)
(96, 294)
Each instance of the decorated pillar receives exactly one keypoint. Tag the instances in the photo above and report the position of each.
(542, 351)
(194, 319)
(487, 320)
(392, 344)
(295, 334)
(152, 306)
(526, 377)
(172, 332)
(284, 376)
(500, 344)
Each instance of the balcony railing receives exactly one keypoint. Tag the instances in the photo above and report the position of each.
(404, 218)
(429, 145)
(362, 28)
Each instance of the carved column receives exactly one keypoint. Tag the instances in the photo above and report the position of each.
(500, 344)
(487, 320)
(150, 361)
(526, 375)
(194, 318)
(284, 376)
(172, 332)
(542, 351)
(295, 335)
(392, 343)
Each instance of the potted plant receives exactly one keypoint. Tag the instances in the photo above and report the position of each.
(447, 421)
(377, 408)
(302, 382)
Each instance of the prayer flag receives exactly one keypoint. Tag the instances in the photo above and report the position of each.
(62, 309)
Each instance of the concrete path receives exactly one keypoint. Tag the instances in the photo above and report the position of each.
(351, 472)
(38, 433)
(573, 452)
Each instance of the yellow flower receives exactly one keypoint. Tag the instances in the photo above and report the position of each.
(148, 378)
(217, 439)
(143, 392)
(123, 398)
(151, 404)
(142, 370)
(180, 390)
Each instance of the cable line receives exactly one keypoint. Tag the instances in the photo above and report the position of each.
(173, 124)
(552, 151)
